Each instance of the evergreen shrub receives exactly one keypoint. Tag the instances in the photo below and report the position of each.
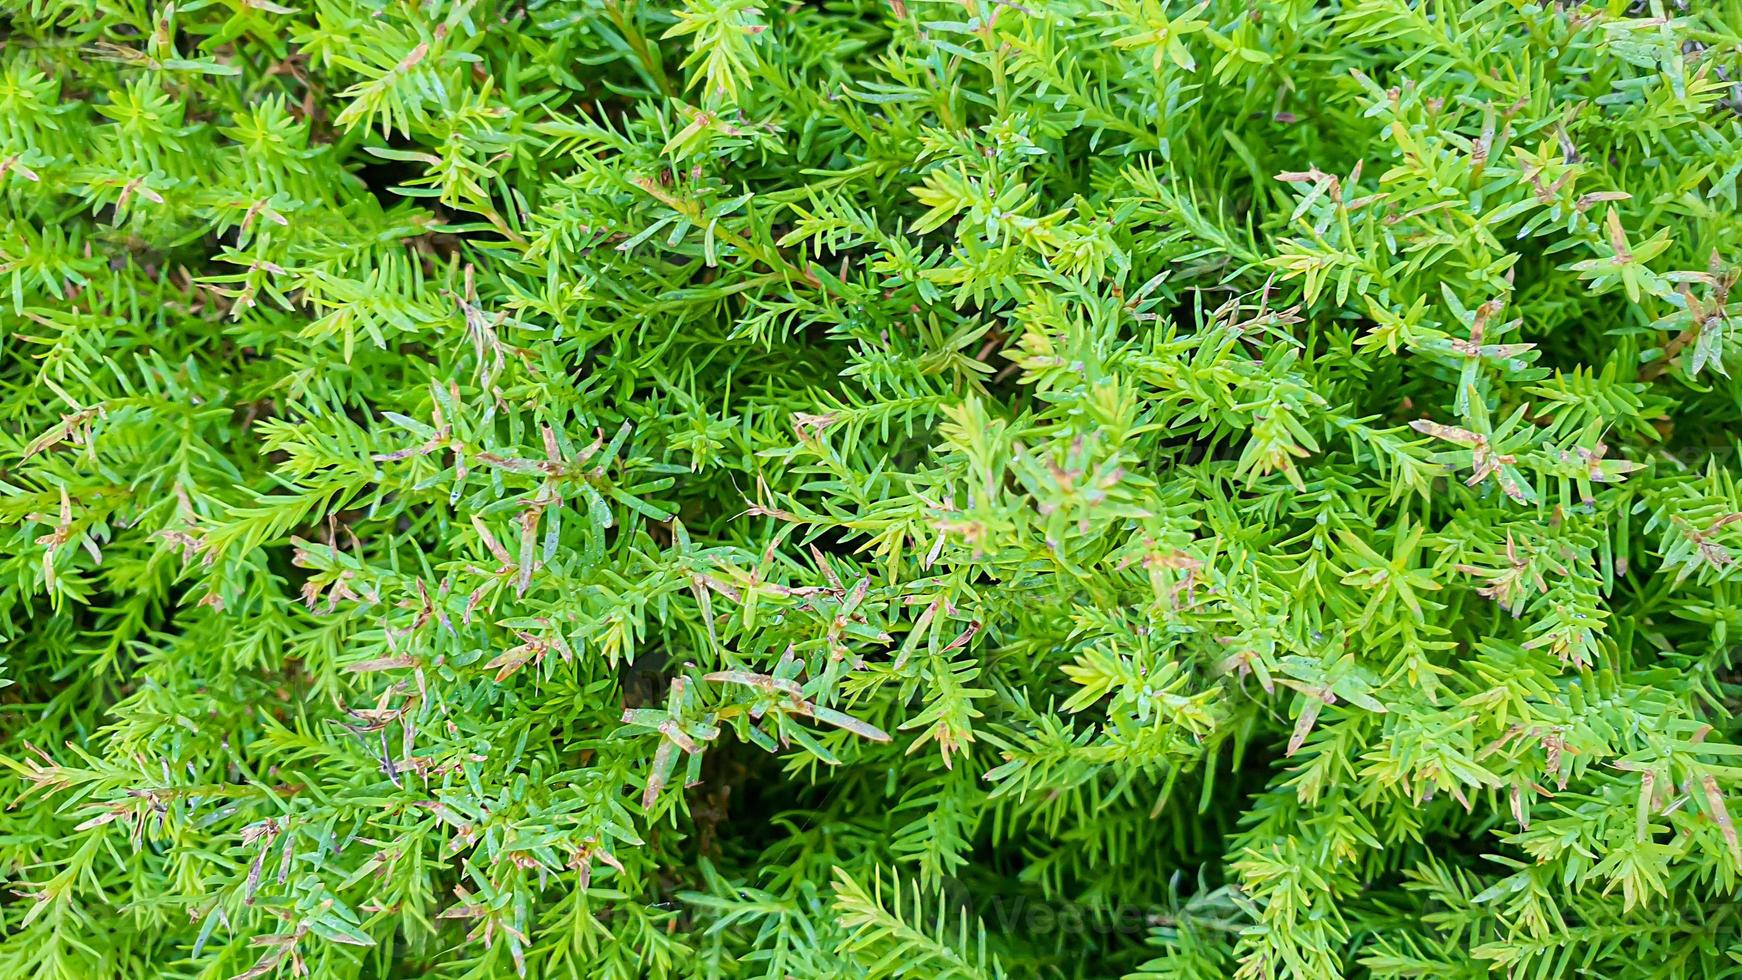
(869, 488)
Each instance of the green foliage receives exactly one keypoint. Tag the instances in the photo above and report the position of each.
(871, 488)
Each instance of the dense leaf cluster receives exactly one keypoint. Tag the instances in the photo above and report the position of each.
(867, 488)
